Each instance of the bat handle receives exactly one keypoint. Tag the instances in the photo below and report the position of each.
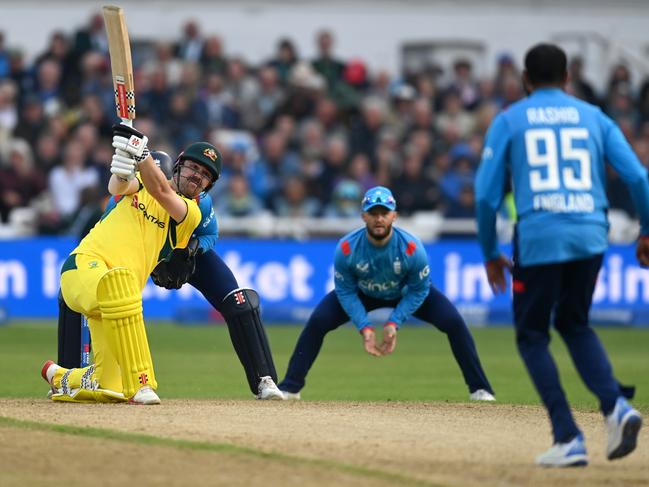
(127, 121)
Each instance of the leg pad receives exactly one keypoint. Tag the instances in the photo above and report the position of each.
(240, 308)
(120, 302)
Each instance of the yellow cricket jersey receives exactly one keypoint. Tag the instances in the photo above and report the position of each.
(137, 233)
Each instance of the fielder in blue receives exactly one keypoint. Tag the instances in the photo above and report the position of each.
(553, 148)
(201, 267)
(381, 266)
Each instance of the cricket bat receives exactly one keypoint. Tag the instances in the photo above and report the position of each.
(121, 63)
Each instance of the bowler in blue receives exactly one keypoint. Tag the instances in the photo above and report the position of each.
(552, 149)
(382, 266)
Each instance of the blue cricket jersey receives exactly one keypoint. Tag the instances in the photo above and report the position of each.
(206, 232)
(554, 147)
(398, 270)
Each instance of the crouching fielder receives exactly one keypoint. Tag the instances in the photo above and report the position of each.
(104, 276)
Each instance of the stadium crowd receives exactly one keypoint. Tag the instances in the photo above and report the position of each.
(300, 137)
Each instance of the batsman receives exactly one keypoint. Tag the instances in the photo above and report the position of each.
(199, 265)
(105, 274)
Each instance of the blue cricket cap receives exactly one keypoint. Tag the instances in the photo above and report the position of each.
(379, 196)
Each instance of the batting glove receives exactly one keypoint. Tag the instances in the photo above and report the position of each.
(130, 140)
(122, 165)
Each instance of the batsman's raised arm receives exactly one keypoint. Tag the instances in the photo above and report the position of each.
(195, 170)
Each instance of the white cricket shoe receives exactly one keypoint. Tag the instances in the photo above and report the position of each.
(145, 396)
(571, 454)
(268, 390)
(482, 395)
(623, 425)
(291, 396)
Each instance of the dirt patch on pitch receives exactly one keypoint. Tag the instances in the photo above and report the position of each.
(360, 444)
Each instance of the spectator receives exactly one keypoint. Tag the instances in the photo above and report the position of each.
(20, 181)
(330, 68)
(92, 37)
(5, 65)
(345, 200)
(454, 116)
(364, 133)
(237, 200)
(265, 104)
(360, 170)
(48, 86)
(464, 84)
(272, 168)
(415, 191)
(284, 60)
(190, 46)
(187, 119)
(32, 120)
(47, 153)
(577, 84)
(68, 180)
(8, 114)
(334, 166)
(212, 58)
(294, 202)
(60, 51)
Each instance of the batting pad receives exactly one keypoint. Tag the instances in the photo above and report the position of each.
(120, 303)
(240, 308)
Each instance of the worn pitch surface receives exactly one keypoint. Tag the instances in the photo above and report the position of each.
(296, 443)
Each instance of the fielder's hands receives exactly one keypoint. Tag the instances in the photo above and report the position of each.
(496, 273)
(642, 250)
(389, 339)
(178, 269)
(131, 141)
(369, 343)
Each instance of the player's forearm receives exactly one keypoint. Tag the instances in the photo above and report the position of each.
(153, 179)
(118, 185)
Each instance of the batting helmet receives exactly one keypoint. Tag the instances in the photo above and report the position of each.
(206, 155)
(163, 161)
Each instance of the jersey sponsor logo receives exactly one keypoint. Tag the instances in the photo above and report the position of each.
(373, 286)
(142, 207)
(239, 297)
(424, 273)
(363, 266)
(552, 115)
(338, 276)
(207, 220)
(412, 246)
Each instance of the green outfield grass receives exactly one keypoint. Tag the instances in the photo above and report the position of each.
(199, 362)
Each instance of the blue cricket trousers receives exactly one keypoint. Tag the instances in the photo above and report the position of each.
(436, 310)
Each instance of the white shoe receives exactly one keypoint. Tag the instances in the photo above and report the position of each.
(571, 454)
(291, 396)
(623, 425)
(145, 396)
(268, 390)
(481, 395)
